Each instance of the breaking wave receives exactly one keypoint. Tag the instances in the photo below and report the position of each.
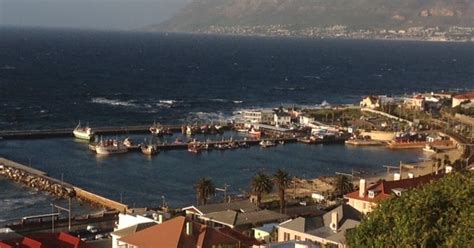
(114, 102)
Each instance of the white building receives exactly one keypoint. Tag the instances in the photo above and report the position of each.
(132, 223)
(264, 232)
(258, 116)
(282, 119)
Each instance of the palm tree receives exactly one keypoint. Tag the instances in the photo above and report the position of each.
(204, 189)
(261, 184)
(343, 185)
(281, 179)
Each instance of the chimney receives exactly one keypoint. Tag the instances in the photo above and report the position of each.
(410, 175)
(334, 221)
(362, 188)
(189, 228)
(448, 169)
(396, 176)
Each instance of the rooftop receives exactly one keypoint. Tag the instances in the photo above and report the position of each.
(173, 233)
(468, 95)
(243, 206)
(385, 188)
(235, 218)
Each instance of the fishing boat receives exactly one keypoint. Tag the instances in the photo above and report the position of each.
(194, 148)
(158, 130)
(430, 148)
(267, 143)
(149, 149)
(255, 133)
(83, 132)
(109, 147)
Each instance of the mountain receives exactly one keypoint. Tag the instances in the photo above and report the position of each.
(203, 15)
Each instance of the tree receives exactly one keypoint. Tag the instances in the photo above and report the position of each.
(281, 179)
(343, 185)
(438, 214)
(261, 184)
(204, 189)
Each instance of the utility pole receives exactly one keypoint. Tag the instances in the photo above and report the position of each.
(226, 187)
(64, 209)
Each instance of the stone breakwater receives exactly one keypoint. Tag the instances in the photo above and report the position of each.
(38, 182)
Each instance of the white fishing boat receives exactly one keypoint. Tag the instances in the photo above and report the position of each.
(83, 132)
(430, 148)
(267, 143)
(110, 147)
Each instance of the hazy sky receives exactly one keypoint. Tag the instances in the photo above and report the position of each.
(97, 14)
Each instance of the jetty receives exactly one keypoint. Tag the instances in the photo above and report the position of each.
(68, 132)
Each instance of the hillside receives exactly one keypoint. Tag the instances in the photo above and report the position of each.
(200, 15)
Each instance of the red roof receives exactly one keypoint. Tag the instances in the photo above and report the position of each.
(45, 240)
(469, 95)
(172, 233)
(384, 188)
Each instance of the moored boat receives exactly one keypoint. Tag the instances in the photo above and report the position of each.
(83, 132)
(149, 149)
(267, 143)
(110, 147)
(430, 148)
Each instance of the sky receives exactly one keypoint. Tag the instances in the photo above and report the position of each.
(87, 14)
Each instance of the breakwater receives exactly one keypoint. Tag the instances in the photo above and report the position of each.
(39, 180)
(68, 132)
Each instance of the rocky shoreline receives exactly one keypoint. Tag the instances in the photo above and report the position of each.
(38, 182)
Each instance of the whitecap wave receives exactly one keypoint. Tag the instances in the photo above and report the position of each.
(288, 88)
(115, 102)
(168, 102)
(208, 117)
(237, 102)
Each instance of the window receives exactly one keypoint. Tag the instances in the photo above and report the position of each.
(286, 236)
(297, 237)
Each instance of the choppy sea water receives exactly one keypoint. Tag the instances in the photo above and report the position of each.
(54, 78)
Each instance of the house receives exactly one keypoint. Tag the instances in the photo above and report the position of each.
(327, 230)
(179, 232)
(265, 232)
(242, 221)
(462, 98)
(367, 198)
(258, 116)
(134, 222)
(41, 240)
(371, 102)
(415, 103)
(194, 212)
(282, 119)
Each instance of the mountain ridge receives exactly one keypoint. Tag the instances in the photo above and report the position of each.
(203, 15)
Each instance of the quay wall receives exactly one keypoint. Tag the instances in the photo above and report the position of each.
(379, 135)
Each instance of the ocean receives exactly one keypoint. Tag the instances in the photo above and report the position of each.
(52, 78)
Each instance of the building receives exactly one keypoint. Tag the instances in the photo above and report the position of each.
(258, 116)
(459, 99)
(179, 232)
(367, 198)
(131, 223)
(282, 119)
(265, 232)
(42, 240)
(371, 102)
(240, 220)
(194, 212)
(415, 103)
(291, 244)
(327, 230)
